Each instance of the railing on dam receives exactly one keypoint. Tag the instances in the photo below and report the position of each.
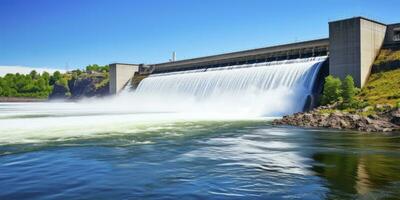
(275, 53)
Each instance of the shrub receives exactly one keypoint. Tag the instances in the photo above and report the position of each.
(55, 77)
(97, 68)
(332, 90)
(348, 89)
(63, 82)
(354, 104)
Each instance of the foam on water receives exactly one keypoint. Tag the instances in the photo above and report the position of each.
(268, 89)
(243, 92)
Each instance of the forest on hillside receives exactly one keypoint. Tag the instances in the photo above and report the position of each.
(62, 85)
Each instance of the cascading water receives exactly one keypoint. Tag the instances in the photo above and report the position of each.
(243, 92)
(127, 88)
(269, 89)
(191, 134)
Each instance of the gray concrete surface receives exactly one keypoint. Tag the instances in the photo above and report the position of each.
(120, 74)
(353, 46)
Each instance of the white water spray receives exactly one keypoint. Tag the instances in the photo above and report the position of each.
(268, 89)
(243, 92)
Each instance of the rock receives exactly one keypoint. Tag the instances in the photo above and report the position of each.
(59, 92)
(381, 122)
(383, 107)
(367, 120)
(344, 124)
(374, 116)
(366, 109)
(395, 115)
(82, 86)
(354, 117)
(86, 87)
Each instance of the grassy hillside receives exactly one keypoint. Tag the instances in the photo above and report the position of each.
(383, 86)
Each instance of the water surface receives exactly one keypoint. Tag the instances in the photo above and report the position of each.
(61, 151)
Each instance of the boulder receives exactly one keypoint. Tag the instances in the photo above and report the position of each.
(395, 115)
(59, 92)
(382, 122)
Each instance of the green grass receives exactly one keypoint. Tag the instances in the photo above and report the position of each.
(102, 83)
(383, 86)
(326, 111)
(387, 55)
(350, 110)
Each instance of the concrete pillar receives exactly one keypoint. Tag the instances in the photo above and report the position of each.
(120, 74)
(354, 44)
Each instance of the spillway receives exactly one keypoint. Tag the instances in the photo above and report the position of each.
(268, 89)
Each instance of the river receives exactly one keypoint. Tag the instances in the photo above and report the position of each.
(64, 151)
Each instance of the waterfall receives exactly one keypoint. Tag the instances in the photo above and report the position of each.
(263, 89)
(128, 87)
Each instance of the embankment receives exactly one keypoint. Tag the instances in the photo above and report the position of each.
(381, 95)
(324, 117)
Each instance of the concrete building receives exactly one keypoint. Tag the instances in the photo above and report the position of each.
(392, 37)
(354, 44)
(120, 74)
(352, 47)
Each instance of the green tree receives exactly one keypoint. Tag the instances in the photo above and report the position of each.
(56, 76)
(97, 68)
(21, 85)
(46, 76)
(63, 81)
(332, 90)
(348, 89)
(1, 87)
(76, 72)
(33, 74)
(106, 68)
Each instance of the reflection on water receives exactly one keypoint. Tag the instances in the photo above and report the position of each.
(367, 166)
(95, 155)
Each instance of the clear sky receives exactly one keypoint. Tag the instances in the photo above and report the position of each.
(57, 33)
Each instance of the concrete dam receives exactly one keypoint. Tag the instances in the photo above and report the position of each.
(276, 80)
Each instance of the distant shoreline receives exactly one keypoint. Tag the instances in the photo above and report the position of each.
(21, 99)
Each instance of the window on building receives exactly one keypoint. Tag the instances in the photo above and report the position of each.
(396, 35)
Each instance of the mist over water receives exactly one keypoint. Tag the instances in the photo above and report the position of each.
(269, 89)
(244, 92)
(201, 134)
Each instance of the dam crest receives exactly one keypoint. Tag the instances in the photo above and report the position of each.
(350, 49)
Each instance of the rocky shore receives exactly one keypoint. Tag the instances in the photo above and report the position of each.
(86, 85)
(387, 120)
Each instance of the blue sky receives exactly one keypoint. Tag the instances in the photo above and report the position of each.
(75, 33)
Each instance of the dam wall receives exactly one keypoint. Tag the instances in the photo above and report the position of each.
(120, 74)
(352, 47)
(392, 38)
(275, 53)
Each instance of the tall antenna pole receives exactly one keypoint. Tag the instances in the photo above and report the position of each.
(173, 56)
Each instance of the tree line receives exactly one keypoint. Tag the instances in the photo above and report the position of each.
(36, 85)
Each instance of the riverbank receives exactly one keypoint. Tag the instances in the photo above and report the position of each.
(381, 96)
(21, 99)
(387, 120)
